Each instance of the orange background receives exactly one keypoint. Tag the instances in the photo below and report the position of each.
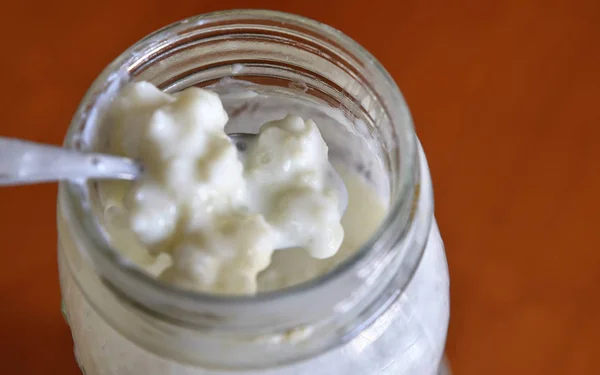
(505, 97)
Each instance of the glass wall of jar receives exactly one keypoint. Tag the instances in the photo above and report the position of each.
(383, 310)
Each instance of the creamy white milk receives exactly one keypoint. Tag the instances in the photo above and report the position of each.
(205, 219)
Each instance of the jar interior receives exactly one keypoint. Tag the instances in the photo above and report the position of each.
(249, 105)
(262, 76)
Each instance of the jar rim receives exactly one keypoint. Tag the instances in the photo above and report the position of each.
(116, 73)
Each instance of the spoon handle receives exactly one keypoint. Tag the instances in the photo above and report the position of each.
(24, 162)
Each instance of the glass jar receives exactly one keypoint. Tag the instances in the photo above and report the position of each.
(383, 310)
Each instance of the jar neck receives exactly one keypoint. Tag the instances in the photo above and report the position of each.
(276, 50)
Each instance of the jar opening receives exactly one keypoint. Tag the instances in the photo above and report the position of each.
(290, 55)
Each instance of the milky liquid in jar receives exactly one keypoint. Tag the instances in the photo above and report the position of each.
(203, 215)
(383, 309)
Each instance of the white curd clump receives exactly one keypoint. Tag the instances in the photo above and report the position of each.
(200, 216)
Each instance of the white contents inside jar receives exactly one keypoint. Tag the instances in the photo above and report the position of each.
(205, 219)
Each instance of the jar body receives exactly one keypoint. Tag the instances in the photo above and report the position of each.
(407, 338)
